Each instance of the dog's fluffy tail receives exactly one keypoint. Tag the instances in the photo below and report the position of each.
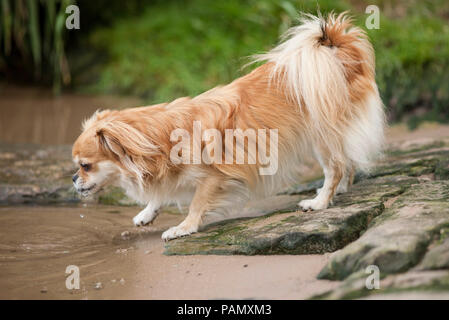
(326, 66)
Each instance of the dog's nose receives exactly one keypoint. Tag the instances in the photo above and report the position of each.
(75, 176)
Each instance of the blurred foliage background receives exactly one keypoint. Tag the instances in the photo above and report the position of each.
(160, 50)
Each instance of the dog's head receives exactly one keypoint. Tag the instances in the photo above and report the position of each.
(109, 148)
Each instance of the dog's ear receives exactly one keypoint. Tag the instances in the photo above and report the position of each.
(98, 115)
(109, 143)
(104, 113)
(127, 145)
(120, 139)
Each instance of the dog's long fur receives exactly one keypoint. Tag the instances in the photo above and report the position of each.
(317, 88)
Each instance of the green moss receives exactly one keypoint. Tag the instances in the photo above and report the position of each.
(111, 196)
(444, 234)
(442, 168)
(413, 169)
(433, 145)
(282, 236)
(351, 290)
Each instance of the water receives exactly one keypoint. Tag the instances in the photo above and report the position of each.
(34, 115)
(38, 243)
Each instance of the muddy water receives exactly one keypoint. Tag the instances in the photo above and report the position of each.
(38, 243)
(34, 115)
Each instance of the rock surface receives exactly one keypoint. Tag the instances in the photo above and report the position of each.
(43, 175)
(293, 232)
(397, 189)
(437, 256)
(30, 174)
(398, 239)
(409, 285)
(408, 242)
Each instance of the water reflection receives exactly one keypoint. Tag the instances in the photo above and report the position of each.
(34, 115)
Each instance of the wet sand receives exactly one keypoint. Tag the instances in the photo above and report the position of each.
(38, 243)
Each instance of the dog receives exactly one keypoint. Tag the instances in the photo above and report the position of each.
(316, 94)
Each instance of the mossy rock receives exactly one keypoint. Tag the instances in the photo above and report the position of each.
(410, 285)
(437, 255)
(281, 233)
(397, 239)
(31, 174)
(114, 196)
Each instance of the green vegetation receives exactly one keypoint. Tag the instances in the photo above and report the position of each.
(32, 33)
(184, 48)
(174, 49)
(161, 50)
(412, 61)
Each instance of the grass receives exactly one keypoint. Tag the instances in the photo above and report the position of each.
(184, 48)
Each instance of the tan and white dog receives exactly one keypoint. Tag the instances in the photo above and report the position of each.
(316, 89)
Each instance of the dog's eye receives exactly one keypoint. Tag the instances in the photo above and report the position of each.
(85, 166)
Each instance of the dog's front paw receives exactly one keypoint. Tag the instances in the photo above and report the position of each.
(144, 218)
(177, 232)
(312, 204)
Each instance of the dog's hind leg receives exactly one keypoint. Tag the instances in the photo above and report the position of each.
(347, 180)
(333, 174)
